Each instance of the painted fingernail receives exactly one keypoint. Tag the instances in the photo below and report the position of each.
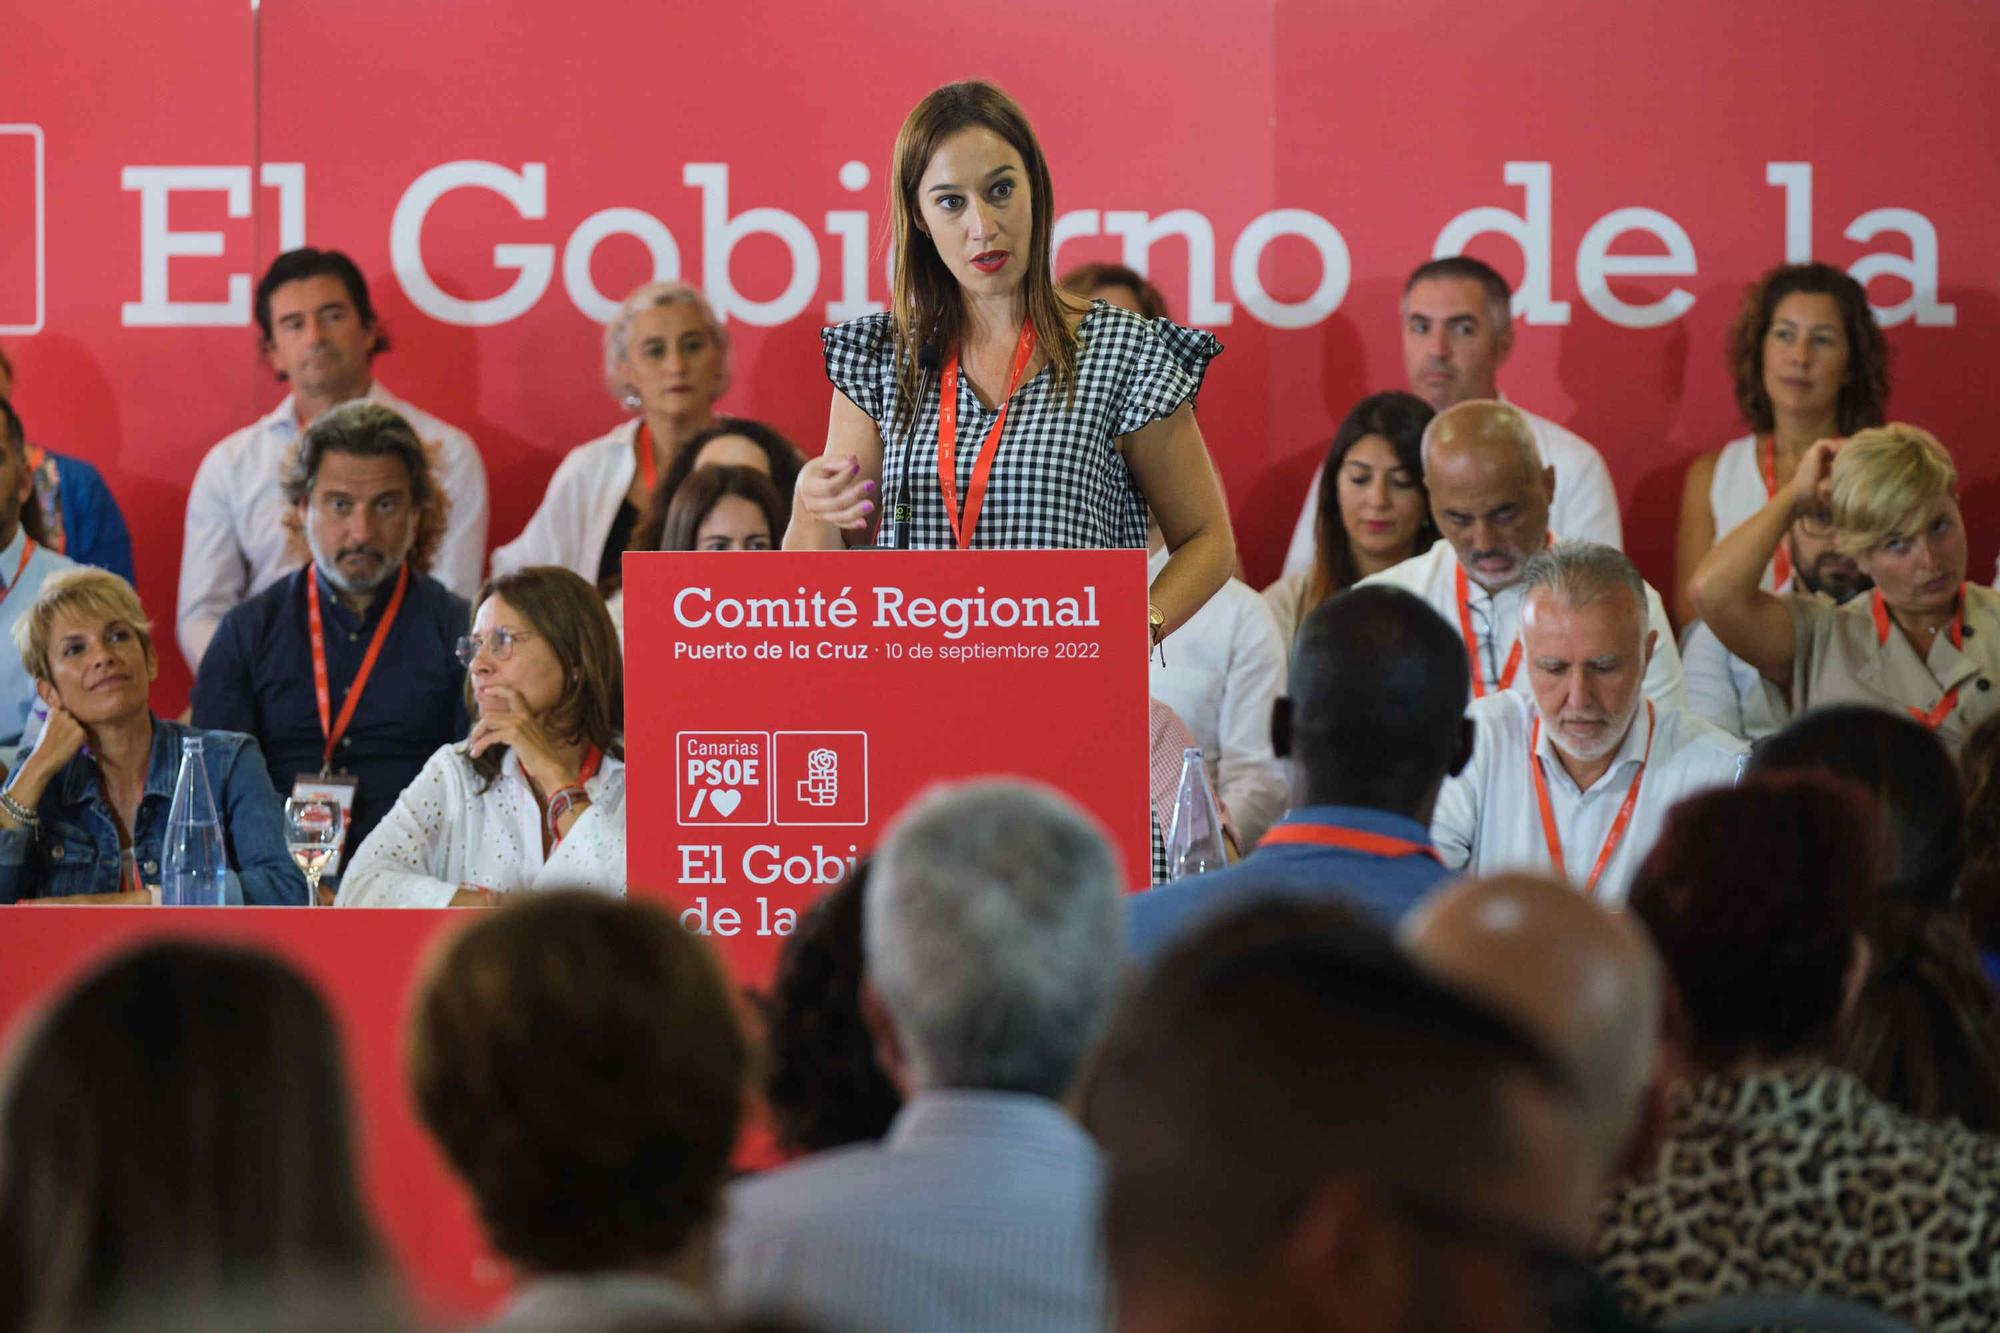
(867, 507)
(868, 486)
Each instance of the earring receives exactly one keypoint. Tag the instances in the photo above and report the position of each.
(631, 401)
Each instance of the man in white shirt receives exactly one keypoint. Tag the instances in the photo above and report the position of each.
(1577, 780)
(321, 335)
(1457, 332)
(1223, 670)
(1490, 496)
(991, 954)
(1727, 691)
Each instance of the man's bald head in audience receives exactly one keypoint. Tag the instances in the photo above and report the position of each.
(1586, 982)
(1490, 488)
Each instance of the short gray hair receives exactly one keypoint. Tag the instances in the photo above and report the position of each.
(993, 931)
(1581, 572)
(618, 333)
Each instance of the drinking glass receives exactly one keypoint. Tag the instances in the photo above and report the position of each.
(313, 826)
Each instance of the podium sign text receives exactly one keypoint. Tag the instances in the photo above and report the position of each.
(781, 708)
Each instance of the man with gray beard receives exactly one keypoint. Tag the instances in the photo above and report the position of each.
(1574, 778)
(343, 670)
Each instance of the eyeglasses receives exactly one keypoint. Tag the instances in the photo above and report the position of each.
(498, 643)
(1819, 523)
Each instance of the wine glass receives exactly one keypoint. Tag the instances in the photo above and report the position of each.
(313, 826)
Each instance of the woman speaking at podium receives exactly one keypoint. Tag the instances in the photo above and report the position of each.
(987, 408)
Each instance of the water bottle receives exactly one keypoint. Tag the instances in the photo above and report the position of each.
(1194, 839)
(194, 864)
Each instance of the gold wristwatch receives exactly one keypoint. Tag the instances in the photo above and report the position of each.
(1156, 621)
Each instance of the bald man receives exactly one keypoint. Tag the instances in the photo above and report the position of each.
(1490, 497)
(1584, 981)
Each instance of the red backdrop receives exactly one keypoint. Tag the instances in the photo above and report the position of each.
(1313, 153)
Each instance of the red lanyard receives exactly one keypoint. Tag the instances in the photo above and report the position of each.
(333, 729)
(1781, 559)
(1472, 644)
(1935, 716)
(27, 551)
(982, 468)
(1353, 840)
(1618, 824)
(649, 467)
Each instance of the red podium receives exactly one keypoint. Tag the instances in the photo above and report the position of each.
(780, 709)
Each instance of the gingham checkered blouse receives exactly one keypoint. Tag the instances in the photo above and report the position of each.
(1058, 479)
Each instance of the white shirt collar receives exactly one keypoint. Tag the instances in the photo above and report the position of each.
(1631, 749)
(284, 417)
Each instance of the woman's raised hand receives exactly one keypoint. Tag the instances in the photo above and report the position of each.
(832, 490)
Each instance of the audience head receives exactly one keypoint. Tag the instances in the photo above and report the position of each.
(724, 509)
(1377, 697)
(992, 939)
(1907, 772)
(1305, 1131)
(1490, 492)
(1457, 330)
(1818, 563)
(578, 1059)
(1586, 643)
(1372, 501)
(1756, 897)
(320, 330)
(1925, 1031)
(823, 1086)
(177, 1122)
(543, 644)
(1979, 893)
(1585, 982)
(666, 355)
(1805, 342)
(733, 442)
(1118, 285)
(362, 493)
(1895, 510)
(88, 646)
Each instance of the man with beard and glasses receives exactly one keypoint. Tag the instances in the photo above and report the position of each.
(1576, 781)
(343, 670)
(1726, 690)
(321, 338)
(1490, 499)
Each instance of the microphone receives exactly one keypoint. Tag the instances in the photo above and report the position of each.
(929, 361)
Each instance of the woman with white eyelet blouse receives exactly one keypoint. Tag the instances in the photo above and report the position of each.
(535, 797)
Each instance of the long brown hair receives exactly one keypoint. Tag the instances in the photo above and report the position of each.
(1864, 393)
(926, 303)
(569, 615)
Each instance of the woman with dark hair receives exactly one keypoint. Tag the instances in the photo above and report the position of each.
(734, 443)
(1061, 423)
(823, 1085)
(1979, 883)
(535, 796)
(1779, 1170)
(1810, 363)
(1925, 1032)
(724, 509)
(174, 1137)
(1373, 509)
(1116, 284)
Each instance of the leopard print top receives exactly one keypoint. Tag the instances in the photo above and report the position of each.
(1809, 1182)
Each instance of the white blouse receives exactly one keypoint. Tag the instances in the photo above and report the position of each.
(575, 516)
(444, 832)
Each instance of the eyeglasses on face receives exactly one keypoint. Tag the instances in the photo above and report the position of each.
(499, 644)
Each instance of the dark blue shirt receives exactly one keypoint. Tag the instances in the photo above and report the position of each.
(76, 848)
(1383, 886)
(257, 676)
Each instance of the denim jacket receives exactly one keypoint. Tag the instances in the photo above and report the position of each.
(76, 848)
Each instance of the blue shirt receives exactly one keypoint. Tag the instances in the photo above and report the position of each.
(977, 1213)
(1383, 886)
(17, 687)
(94, 531)
(257, 677)
(76, 848)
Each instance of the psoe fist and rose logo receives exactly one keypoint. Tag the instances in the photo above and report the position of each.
(745, 778)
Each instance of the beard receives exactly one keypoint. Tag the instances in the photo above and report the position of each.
(1835, 575)
(388, 562)
(1603, 740)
